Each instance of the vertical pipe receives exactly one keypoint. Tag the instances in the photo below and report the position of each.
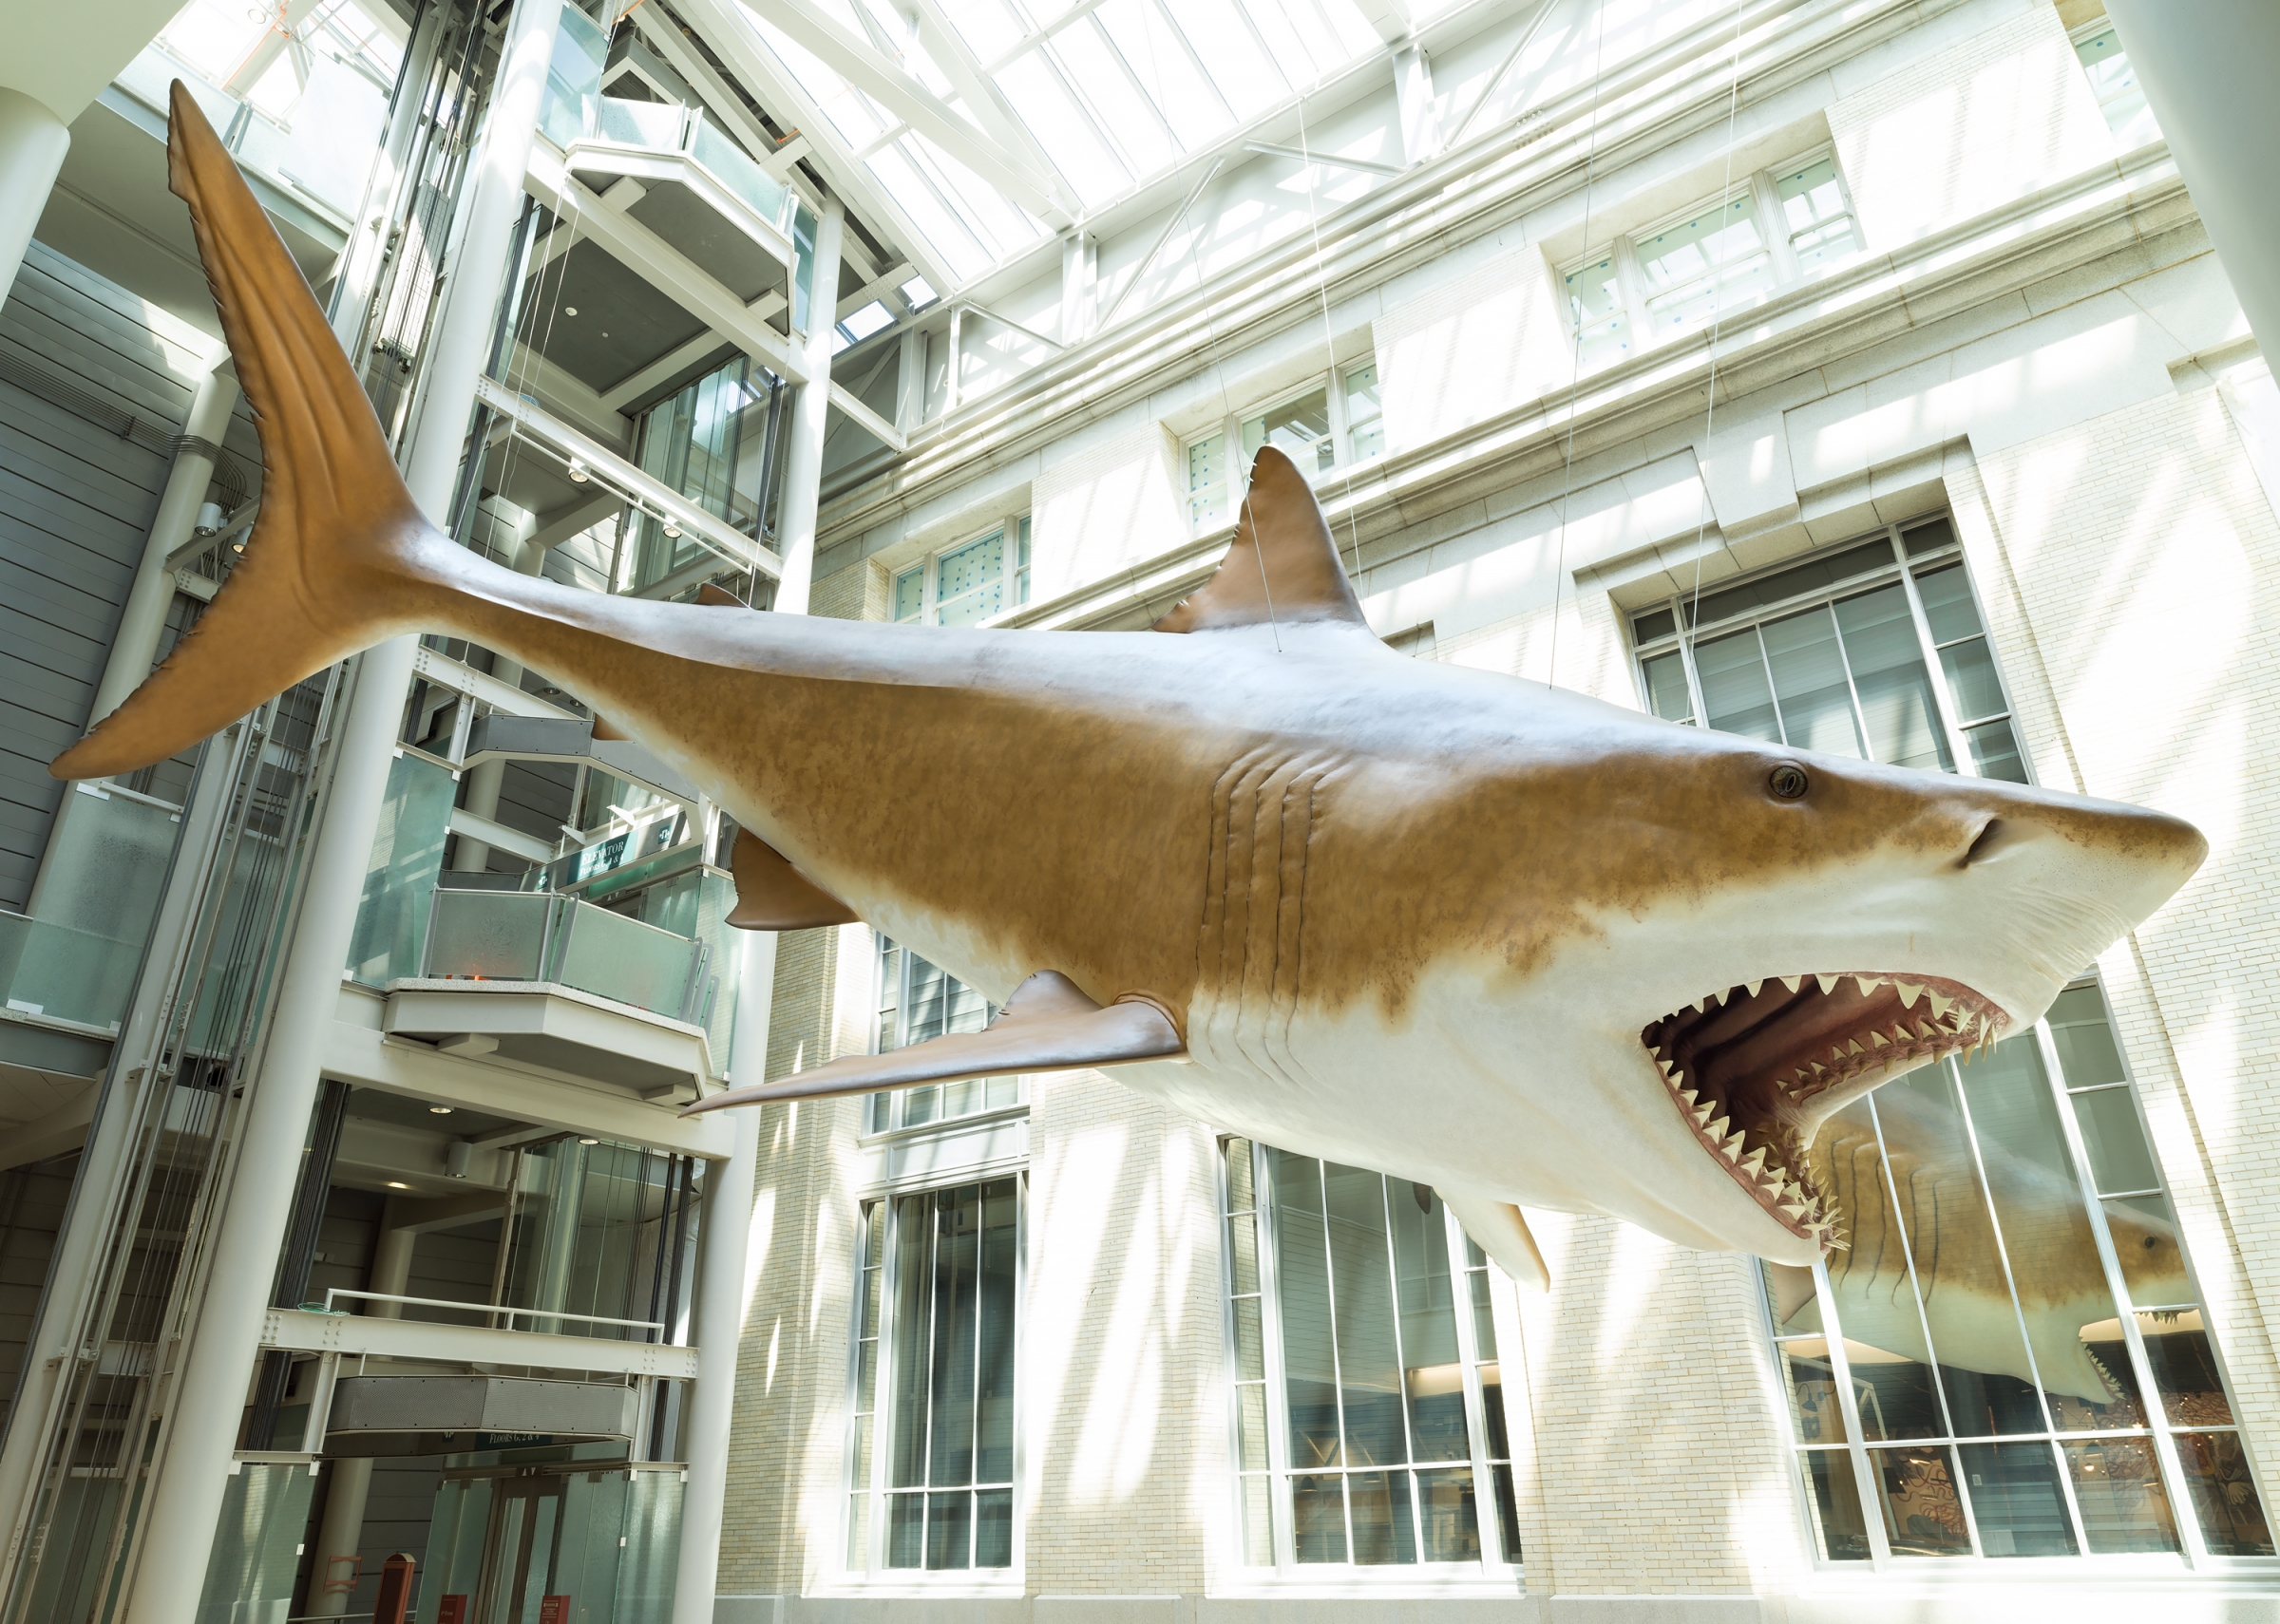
(804, 458)
(185, 1493)
(135, 645)
(33, 143)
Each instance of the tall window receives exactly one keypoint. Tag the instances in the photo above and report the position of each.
(1333, 422)
(1367, 1404)
(1713, 257)
(918, 1001)
(968, 583)
(2008, 1357)
(711, 442)
(931, 1438)
(1838, 653)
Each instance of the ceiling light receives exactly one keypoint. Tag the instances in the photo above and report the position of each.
(589, 1142)
(577, 470)
(439, 1110)
(673, 526)
(398, 1185)
(569, 310)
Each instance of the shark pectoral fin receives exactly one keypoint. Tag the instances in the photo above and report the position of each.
(773, 896)
(1283, 566)
(1048, 1025)
(1502, 1232)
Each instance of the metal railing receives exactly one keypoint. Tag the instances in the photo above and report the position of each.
(510, 1313)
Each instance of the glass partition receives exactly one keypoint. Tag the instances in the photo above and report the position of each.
(489, 935)
(574, 78)
(407, 855)
(257, 1542)
(613, 956)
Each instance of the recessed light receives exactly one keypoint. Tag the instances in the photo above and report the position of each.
(439, 1110)
(589, 1142)
(577, 470)
(569, 310)
(398, 1185)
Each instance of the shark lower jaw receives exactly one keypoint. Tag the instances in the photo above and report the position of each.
(1756, 1069)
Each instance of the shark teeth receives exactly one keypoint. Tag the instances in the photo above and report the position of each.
(1757, 1126)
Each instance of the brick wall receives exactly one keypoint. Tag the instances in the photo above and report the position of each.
(1968, 130)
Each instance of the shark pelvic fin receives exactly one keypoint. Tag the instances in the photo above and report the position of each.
(773, 896)
(1048, 1025)
(1283, 565)
(1503, 1234)
(711, 596)
(340, 558)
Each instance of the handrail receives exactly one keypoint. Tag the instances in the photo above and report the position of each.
(333, 1292)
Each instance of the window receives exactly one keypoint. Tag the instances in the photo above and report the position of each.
(919, 1001)
(1838, 653)
(1321, 427)
(709, 441)
(1366, 1399)
(931, 1432)
(1713, 257)
(2118, 97)
(2010, 1358)
(969, 583)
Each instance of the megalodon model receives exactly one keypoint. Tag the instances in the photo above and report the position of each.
(1524, 947)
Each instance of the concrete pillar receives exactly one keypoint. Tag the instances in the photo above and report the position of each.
(33, 143)
(2207, 70)
(187, 1490)
(803, 449)
(720, 1297)
(729, 1186)
(1081, 282)
(350, 1488)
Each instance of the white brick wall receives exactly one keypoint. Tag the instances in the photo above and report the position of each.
(1967, 131)
(1107, 507)
(1467, 350)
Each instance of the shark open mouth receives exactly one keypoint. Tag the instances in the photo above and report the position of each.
(1757, 1069)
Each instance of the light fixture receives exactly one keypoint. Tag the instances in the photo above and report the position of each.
(439, 1110)
(673, 526)
(577, 470)
(398, 1185)
(569, 310)
(589, 1142)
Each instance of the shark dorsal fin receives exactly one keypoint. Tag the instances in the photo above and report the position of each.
(1283, 565)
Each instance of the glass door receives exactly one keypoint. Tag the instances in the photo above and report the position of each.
(526, 1536)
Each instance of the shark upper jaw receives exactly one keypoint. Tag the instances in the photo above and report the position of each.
(1755, 1070)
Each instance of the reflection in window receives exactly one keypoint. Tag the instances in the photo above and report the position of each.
(1597, 312)
(1852, 674)
(1814, 210)
(1975, 1363)
(966, 584)
(1712, 262)
(1300, 428)
(916, 1001)
(931, 1457)
(1369, 1407)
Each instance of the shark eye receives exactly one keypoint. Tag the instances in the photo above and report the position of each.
(1787, 781)
(2152, 1241)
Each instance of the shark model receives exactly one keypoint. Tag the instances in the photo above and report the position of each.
(1522, 946)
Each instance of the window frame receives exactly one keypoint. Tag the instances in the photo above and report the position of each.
(1978, 1567)
(1228, 431)
(1005, 1580)
(1904, 569)
(1491, 1570)
(1634, 294)
(1015, 580)
(872, 1130)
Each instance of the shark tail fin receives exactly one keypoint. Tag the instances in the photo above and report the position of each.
(340, 558)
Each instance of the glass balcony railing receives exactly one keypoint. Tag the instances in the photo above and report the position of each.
(76, 960)
(64, 975)
(575, 108)
(510, 935)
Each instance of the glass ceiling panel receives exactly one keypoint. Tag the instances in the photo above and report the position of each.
(1239, 68)
(1144, 33)
(989, 29)
(1004, 226)
(1062, 131)
(956, 243)
(1093, 66)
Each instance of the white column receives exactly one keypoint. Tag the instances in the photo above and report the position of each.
(1080, 279)
(32, 142)
(728, 1229)
(136, 643)
(2207, 70)
(1413, 96)
(728, 1195)
(803, 447)
(204, 1411)
(351, 1489)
